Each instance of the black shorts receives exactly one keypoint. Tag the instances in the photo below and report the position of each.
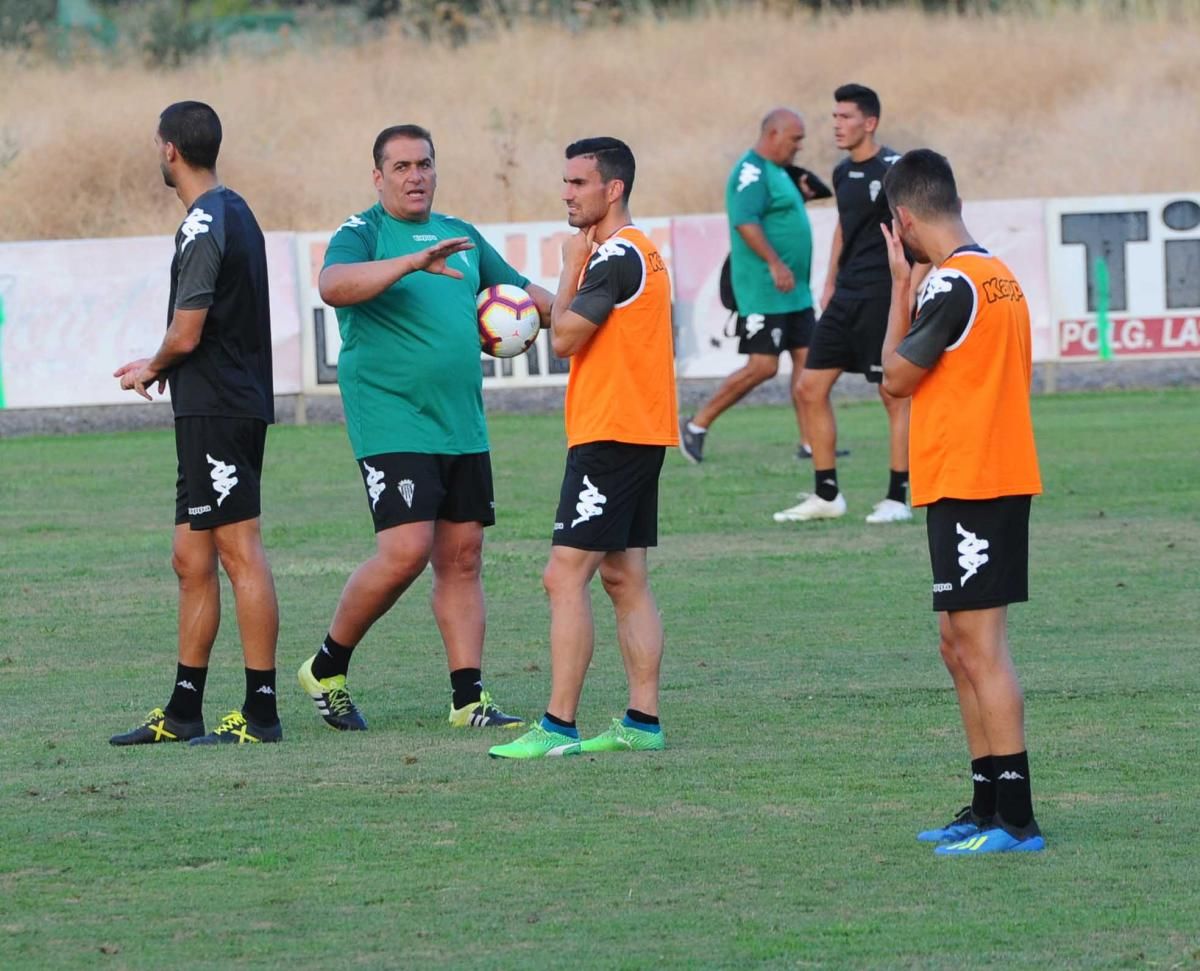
(415, 487)
(220, 470)
(979, 549)
(609, 498)
(774, 333)
(849, 336)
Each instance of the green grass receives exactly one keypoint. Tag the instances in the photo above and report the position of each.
(812, 730)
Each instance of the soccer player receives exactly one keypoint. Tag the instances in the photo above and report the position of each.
(612, 317)
(965, 361)
(404, 280)
(849, 334)
(770, 261)
(216, 357)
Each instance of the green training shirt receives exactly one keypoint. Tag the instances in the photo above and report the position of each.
(409, 367)
(760, 192)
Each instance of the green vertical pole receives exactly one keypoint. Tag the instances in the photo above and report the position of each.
(1103, 323)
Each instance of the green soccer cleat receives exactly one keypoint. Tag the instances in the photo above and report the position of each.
(160, 727)
(622, 738)
(235, 730)
(537, 743)
(332, 699)
(482, 714)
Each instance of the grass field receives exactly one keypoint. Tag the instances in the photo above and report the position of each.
(811, 728)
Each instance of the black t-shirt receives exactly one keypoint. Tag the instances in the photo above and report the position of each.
(221, 264)
(863, 268)
(613, 277)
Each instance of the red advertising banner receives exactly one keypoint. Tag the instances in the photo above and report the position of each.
(1131, 336)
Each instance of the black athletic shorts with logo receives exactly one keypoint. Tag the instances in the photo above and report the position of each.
(979, 549)
(609, 498)
(774, 333)
(849, 336)
(220, 470)
(415, 487)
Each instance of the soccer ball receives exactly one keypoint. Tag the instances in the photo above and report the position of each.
(508, 320)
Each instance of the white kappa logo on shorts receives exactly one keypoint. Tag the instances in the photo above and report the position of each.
(590, 501)
(755, 323)
(224, 478)
(375, 484)
(971, 555)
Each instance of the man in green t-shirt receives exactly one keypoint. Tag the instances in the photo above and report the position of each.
(770, 259)
(404, 280)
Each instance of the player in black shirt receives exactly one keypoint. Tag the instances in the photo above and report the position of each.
(849, 335)
(216, 357)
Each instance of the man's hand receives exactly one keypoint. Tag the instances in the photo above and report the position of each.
(577, 248)
(136, 375)
(434, 259)
(783, 278)
(806, 190)
(901, 271)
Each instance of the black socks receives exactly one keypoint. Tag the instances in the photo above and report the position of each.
(826, 483)
(983, 777)
(187, 698)
(260, 697)
(331, 660)
(1014, 798)
(467, 684)
(897, 485)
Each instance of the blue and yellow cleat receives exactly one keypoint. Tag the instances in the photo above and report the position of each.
(964, 824)
(995, 840)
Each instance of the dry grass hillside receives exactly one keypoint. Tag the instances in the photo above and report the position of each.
(1069, 104)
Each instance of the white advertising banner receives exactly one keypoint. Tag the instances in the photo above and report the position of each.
(532, 249)
(74, 310)
(1133, 261)
(1011, 229)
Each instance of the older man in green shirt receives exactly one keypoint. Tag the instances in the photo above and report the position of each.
(770, 261)
(404, 280)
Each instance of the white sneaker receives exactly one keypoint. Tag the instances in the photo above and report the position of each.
(890, 511)
(813, 507)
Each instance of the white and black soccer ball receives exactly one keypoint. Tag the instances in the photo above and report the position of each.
(508, 320)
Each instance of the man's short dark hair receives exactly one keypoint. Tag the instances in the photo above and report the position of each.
(415, 132)
(614, 159)
(195, 131)
(923, 181)
(859, 94)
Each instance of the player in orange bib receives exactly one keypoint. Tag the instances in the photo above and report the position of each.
(612, 317)
(966, 363)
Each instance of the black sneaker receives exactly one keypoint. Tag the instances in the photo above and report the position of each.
(160, 727)
(235, 730)
(691, 444)
(804, 453)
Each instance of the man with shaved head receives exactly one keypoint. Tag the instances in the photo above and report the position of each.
(770, 258)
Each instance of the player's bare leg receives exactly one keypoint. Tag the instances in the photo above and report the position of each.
(458, 605)
(968, 704)
(567, 579)
(980, 639)
(639, 625)
(194, 560)
(799, 356)
(240, 548)
(898, 410)
(401, 553)
(816, 386)
(757, 369)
